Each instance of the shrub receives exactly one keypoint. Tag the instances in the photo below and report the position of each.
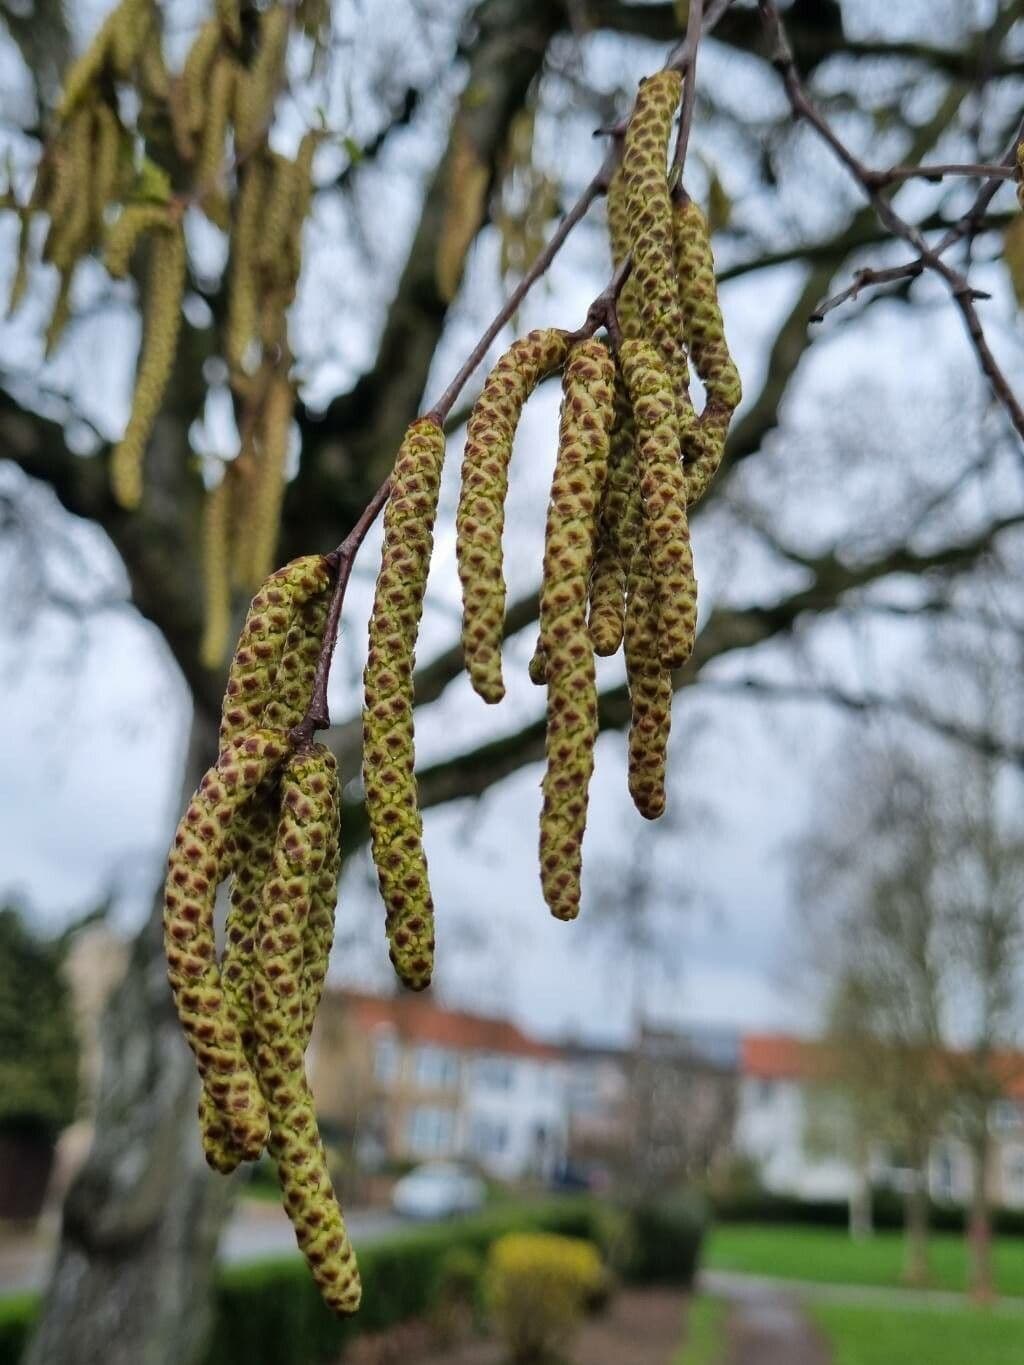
(538, 1285)
(663, 1242)
(459, 1282)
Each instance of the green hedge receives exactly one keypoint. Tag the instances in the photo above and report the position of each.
(887, 1213)
(269, 1313)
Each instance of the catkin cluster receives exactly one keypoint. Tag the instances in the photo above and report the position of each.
(265, 819)
(633, 456)
(115, 180)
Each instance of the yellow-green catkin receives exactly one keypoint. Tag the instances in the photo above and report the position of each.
(132, 223)
(264, 519)
(61, 314)
(258, 86)
(396, 826)
(194, 80)
(308, 814)
(161, 325)
(71, 209)
(197, 863)
(106, 163)
(243, 298)
(210, 166)
(580, 470)
(318, 931)
(663, 490)
(704, 333)
(254, 686)
(649, 215)
(216, 575)
(619, 525)
(650, 691)
(480, 520)
(249, 849)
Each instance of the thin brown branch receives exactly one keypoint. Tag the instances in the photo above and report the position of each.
(689, 71)
(897, 175)
(960, 290)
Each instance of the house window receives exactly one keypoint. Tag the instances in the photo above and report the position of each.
(1006, 1116)
(488, 1137)
(493, 1073)
(436, 1068)
(385, 1058)
(1013, 1172)
(430, 1131)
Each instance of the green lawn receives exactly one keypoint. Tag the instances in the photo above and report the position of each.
(704, 1342)
(828, 1256)
(919, 1336)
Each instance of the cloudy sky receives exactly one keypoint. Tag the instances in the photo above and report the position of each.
(95, 715)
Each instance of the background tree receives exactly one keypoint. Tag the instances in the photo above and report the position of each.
(140, 1224)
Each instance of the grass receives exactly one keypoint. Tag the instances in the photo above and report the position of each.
(704, 1343)
(881, 1336)
(828, 1256)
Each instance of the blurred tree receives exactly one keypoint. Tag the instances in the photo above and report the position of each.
(38, 1049)
(140, 1224)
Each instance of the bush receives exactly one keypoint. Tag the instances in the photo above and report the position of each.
(459, 1285)
(271, 1313)
(661, 1243)
(538, 1285)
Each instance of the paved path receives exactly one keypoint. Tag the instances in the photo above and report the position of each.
(256, 1230)
(766, 1326)
(727, 1283)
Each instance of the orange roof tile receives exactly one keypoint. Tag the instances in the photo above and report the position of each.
(418, 1019)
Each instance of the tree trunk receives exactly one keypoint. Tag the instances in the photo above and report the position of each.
(979, 1229)
(860, 1193)
(915, 1259)
(139, 1232)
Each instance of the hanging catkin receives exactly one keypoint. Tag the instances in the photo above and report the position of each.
(580, 470)
(216, 575)
(252, 686)
(663, 490)
(649, 217)
(480, 520)
(197, 864)
(619, 526)
(308, 813)
(704, 332)
(161, 324)
(650, 691)
(396, 826)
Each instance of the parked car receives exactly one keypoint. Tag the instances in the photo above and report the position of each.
(438, 1189)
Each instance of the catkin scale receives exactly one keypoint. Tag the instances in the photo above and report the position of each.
(308, 813)
(162, 322)
(480, 519)
(570, 536)
(396, 826)
(663, 489)
(196, 865)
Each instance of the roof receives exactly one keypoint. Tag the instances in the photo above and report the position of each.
(782, 1057)
(419, 1019)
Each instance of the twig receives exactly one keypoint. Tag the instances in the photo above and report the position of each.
(689, 71)
(896, 175)
(929, 257)
(340, 560)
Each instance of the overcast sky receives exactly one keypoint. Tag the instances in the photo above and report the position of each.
(95, 715)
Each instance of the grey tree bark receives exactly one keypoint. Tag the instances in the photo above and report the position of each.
(141, 1220)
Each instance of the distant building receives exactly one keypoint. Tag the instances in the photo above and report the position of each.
(411, 1080)
(790, 1125)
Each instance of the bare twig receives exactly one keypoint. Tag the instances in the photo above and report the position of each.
(928, 257)
(689, 71)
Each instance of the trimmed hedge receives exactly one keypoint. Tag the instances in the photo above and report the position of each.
(886, 1207)
(269, 1313)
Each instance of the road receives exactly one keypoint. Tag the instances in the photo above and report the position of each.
(256, 1230)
